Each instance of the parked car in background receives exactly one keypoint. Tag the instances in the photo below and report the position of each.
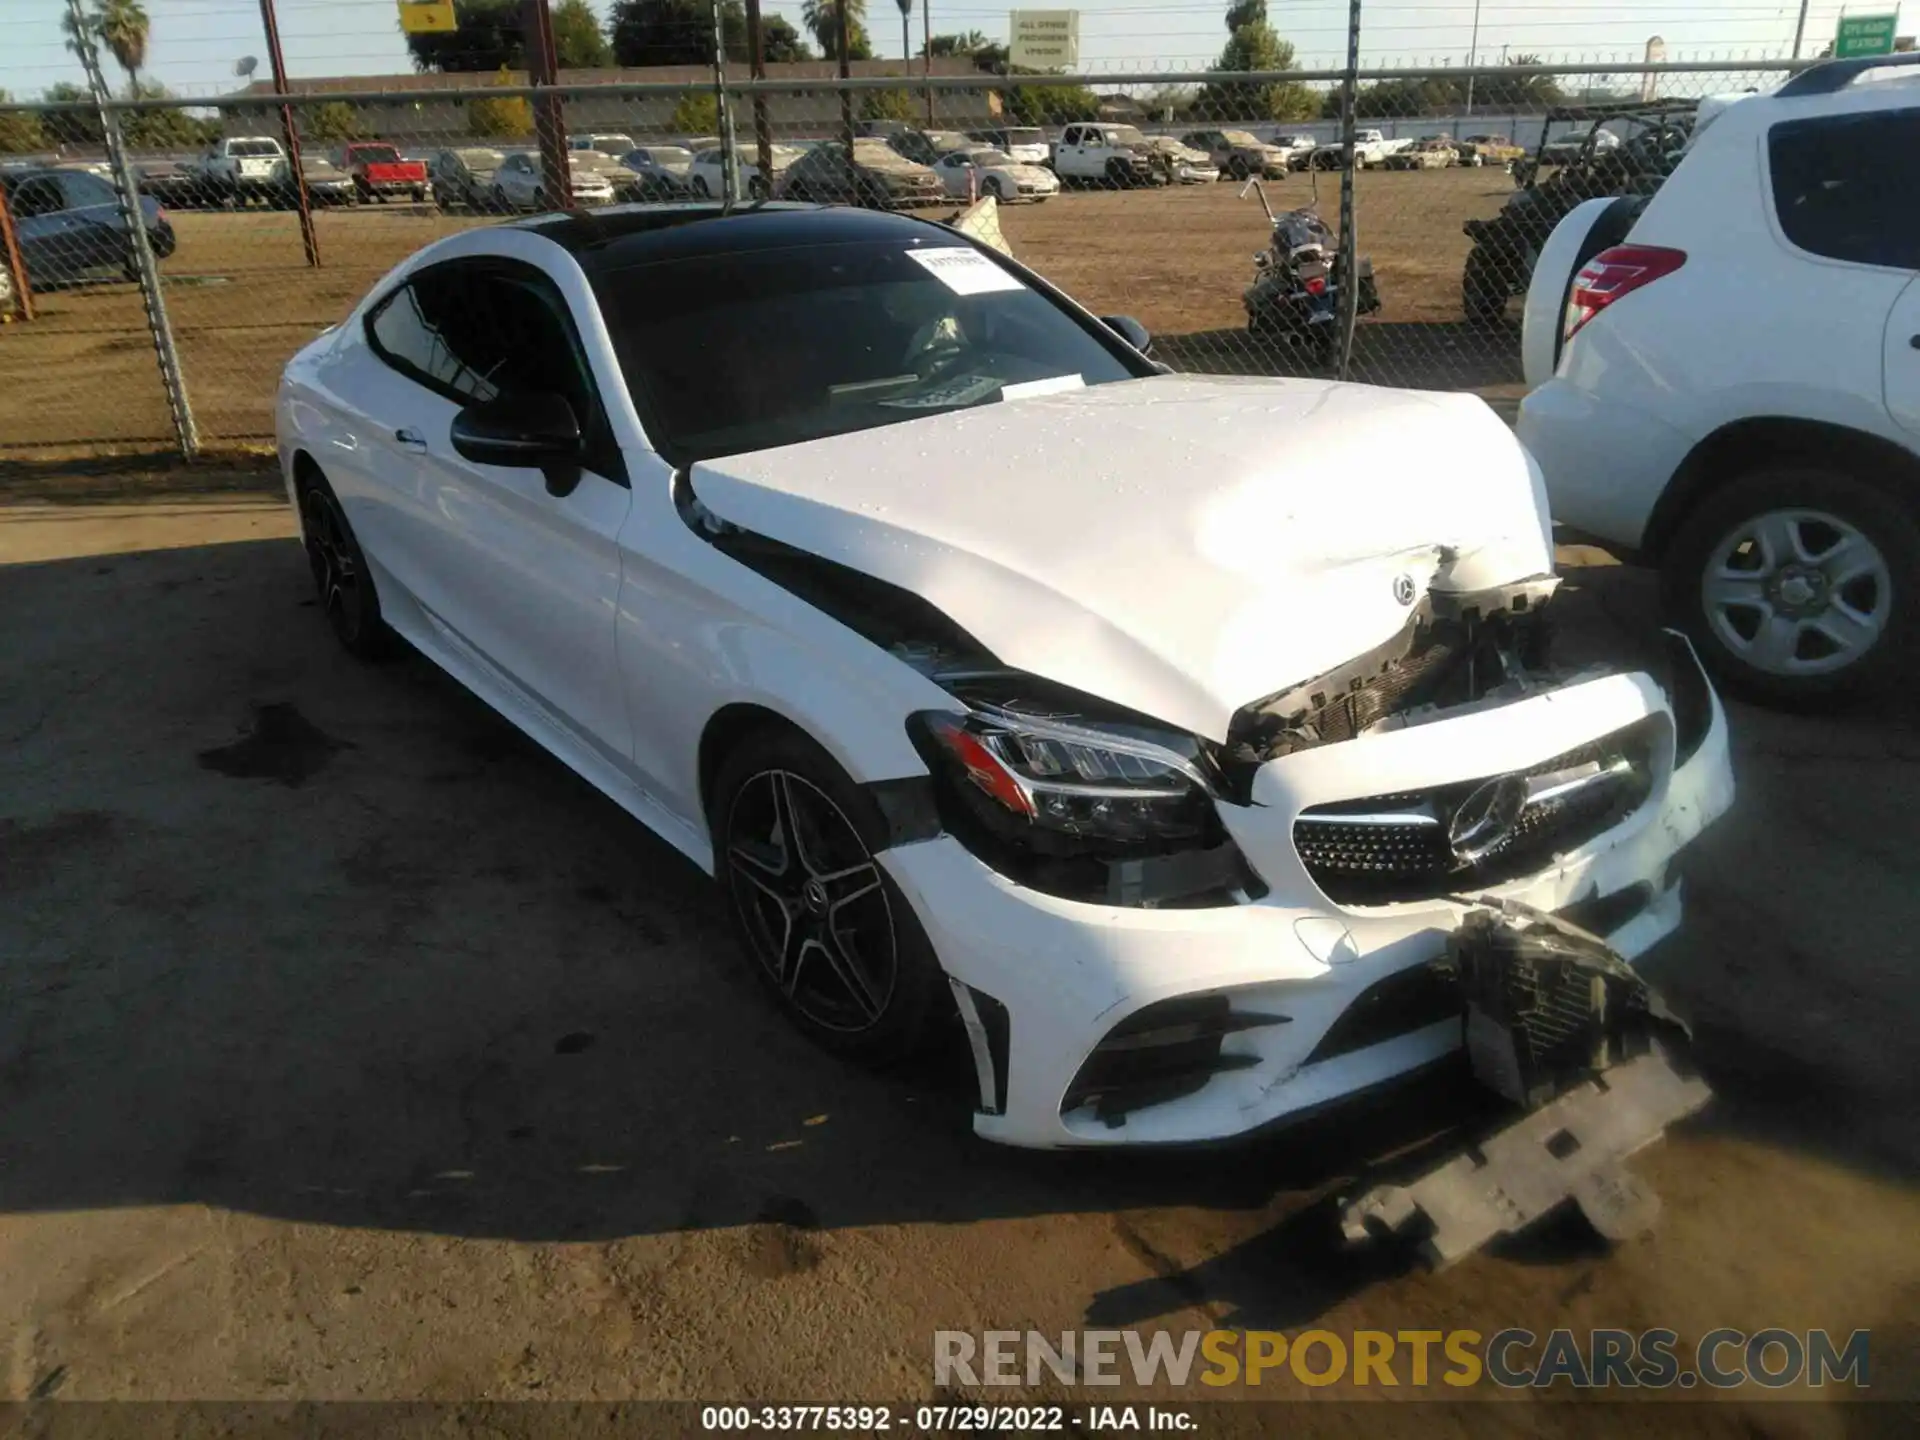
(1370, 151)
(984, 171)
(1239, 154)
(706, 175)
(654, 172)
(1114, 156)
(381, 173)
(1026, 143)
(327, 183)
(610, 143)
(1155, 733)
(463, 175)
(1491, 149)
(1727, 383)
(178, 183)
(1429, 154)
(520, 184)
(1183, 164)
(873, 174)
(1293, 143)
(243, 168)
(70, 227)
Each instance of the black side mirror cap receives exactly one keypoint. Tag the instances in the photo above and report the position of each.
(1131, 331)
(529, 430)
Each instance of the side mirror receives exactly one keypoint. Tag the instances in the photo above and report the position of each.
(1131, 331)
(532, 430)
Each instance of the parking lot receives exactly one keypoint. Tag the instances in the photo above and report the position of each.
(241, 298)
(351, 1047)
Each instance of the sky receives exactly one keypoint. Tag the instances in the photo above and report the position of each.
(195, 43)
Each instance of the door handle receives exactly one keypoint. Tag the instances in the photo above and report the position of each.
(411, 440)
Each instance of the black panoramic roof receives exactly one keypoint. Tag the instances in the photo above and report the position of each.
(620, 236)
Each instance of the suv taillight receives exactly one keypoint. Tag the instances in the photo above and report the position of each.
(1613, 273)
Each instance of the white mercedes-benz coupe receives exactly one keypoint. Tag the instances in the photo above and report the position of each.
(1156, 730)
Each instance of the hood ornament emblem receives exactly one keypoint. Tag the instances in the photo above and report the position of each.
(1403, 588)
(1486, 819)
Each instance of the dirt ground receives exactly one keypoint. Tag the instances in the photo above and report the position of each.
(241, 299)
(351, 1048)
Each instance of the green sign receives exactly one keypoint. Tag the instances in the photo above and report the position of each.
(1864, 35)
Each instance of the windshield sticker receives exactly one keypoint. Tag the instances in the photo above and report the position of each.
(964, 271)
(1051, 386)
(961, 390)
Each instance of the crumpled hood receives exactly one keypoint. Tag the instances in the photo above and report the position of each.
(1178, 545)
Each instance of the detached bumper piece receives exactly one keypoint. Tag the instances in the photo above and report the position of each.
(1558, 1023)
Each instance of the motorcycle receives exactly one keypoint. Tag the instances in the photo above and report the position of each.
(1295, 296)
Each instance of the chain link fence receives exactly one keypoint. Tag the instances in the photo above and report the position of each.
(1174, 198)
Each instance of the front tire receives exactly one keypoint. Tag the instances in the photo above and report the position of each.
(827, 930)
(340, 575)
(1799, 585)
(700, 187)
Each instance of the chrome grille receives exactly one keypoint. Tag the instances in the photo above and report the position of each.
(1394, 847)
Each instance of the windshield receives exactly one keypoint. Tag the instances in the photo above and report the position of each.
(665, 155)
(738, 352)
(376, 154)
(1026, 137)
(252, 147)
(876, 152)
(994, 159)
(479, 159)
(1240, 137)
(1124, 135)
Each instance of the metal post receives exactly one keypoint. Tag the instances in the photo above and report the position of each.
(757, 61)
(1349, 251)
(926, 58)
(1473, 54)
(729, 156)
(549, 118)
(16, 262)
(133, 216)
(1800, 29)
(906, 35)
(846, 70)
(291, 132)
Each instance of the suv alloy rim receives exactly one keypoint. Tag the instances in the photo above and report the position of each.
(1797, 592)
(810, 897)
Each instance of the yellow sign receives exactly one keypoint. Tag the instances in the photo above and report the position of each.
(422, 17)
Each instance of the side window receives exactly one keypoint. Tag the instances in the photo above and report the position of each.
(37, 197)
(84, 190)
(1072, 136)
(1844, 186)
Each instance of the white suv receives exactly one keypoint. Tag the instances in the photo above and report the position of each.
(1728, 381)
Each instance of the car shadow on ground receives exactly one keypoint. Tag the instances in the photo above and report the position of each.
(295, 936)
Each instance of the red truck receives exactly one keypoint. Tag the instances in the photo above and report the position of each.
(378, 171)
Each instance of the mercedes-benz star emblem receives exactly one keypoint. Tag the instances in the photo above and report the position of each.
(1484, 820)
(1403, 589)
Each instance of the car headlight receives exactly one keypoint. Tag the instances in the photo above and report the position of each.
(1062, 787)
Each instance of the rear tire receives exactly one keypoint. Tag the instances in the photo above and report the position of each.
(826, 929)
(1737, 575)
(340, 575)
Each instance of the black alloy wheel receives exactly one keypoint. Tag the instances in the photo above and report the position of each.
(340, 575)
(828, 931)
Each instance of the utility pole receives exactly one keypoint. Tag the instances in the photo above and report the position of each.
(926, 52)
(1473, 54)
(906, 37)
(549, 119)
(846, 71)
(291, 133)
(757, 61)
(1800, 29)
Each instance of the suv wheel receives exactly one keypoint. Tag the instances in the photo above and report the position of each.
(1799, 585)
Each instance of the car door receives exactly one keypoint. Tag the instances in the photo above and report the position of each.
(517, 577)
(93, 216)
(1903, 359)
(47, 242)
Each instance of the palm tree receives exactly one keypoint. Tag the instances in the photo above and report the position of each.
(822, 19)
(122, 25)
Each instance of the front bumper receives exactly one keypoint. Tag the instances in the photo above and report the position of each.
(1068, 973)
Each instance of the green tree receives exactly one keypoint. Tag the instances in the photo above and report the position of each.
(887, 105)
(1252, 45)
(71, 127)
(332, 122)
(497, 119)
(698, 113)
(1518, 92)
(169, 129)
(944, 47)
(122, 26)
(674, 32)
(1050, 104)
(20, 130)
(577, 41)
(781, 43)
(822, 19)
(485, 38)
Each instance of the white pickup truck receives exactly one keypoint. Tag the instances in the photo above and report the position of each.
(245, 167)
(1370, 148)
(1116, 156)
